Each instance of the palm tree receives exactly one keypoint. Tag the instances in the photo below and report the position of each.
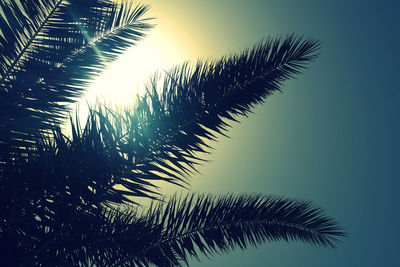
(71, 200)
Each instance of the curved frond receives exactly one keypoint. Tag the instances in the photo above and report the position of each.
(207, 224)
(167, 130)
(169, 233)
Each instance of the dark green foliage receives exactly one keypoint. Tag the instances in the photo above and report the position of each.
(71, 200)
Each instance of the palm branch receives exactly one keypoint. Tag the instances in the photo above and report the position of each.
(172, 231)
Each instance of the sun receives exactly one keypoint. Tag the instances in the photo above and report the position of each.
(124, 79)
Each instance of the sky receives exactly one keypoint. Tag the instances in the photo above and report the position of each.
(331, 136)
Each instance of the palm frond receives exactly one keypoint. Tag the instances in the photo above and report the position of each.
(168, 128)
(171, 232)
(209, 224)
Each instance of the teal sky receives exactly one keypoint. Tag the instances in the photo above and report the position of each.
(332, 136)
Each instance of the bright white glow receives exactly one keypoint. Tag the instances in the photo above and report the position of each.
(125, 78)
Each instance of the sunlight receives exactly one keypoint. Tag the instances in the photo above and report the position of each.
(125, 78)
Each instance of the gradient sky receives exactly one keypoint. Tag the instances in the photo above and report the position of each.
(332, 136)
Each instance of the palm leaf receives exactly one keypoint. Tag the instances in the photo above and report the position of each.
(208, 224)
(166, 130)
(171, 232)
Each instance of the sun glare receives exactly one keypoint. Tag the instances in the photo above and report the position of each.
(125, 78)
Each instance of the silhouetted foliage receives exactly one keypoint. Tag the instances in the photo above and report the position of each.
(61, 197)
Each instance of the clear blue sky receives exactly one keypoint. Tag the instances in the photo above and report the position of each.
(332, 136)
